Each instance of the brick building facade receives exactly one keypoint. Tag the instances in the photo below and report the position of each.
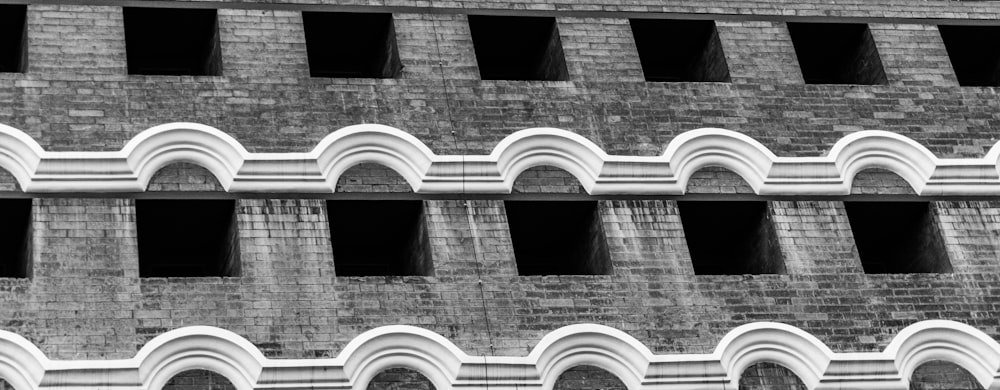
(581, 194)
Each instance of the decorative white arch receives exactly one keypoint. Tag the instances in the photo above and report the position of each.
(22, 364)
(951, 341)
(791, 347)
(447, 367)
(593, 345)
(317, 171)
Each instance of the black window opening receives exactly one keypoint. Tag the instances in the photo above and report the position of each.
(13, 49)
(15, 238)
(518, 48)
(379, 238)
(351, 45)
(837, 53)
(187, 238)
(731, 238)
(558, 238)
(974, 56)
(680, 50)
(168, 41)
(897, 237)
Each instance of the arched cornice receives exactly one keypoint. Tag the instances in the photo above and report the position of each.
(592, 345)
(401, 346)
(951, 341)
(773, 342)
(21, 363)
(447, 367)
(317, 171)
(694, 150)
(199, 348)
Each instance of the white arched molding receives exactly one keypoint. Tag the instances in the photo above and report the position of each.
(317, 171)
(591, 345)
(950, 341)
(791, 347)
(448, 367)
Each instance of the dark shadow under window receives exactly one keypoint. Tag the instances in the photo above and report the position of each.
(379, 238)
(13, 49)
(974, 55)
(557, 238)
(897, 237)
(518, 48)
(837, 53)
(730, 238)
(169, 41)
(15, 238)
(187, 238)
(680, 50)
(351, 45)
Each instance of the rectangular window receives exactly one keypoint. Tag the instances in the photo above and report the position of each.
(730, 238)
(187, 238)
(837, 53)
(897, 237)
(974, 56)
(680, 50)
(379, 238)
(558, 238)
(13, 50)
(518, 48)
(169, 41)
(15, 238)
(341, 44)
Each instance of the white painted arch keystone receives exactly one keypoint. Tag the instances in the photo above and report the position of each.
(447, 367)
(317, 171)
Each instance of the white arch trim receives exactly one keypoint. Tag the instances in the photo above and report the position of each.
(447, 367)
(317, 171)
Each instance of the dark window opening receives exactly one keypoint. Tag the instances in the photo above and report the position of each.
(13, 49)
(680, 50)
(379, 238)
(897, 237)
(731, 238)
(837, 53)
(557, 238)
(15, 238)
(518, 48)
(168, 41)
(974, 58)
(351, 45)
(187, 238)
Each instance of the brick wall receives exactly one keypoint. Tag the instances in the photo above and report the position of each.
(198, 380)
(588, 378)
(400, 379)
(85, 299)
(941, 375)
(85, 101)
(769, 376)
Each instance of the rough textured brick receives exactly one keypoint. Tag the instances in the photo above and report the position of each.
(400, 379)
(546, 179)
(897, 44)
(85, 299)
(588, 378)
(759, 52)
(600, 49)
(942, 375)
(769, 376)
(372, 178)
(184, 177)
(881, 182)
(198, 380)
(716, 180)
